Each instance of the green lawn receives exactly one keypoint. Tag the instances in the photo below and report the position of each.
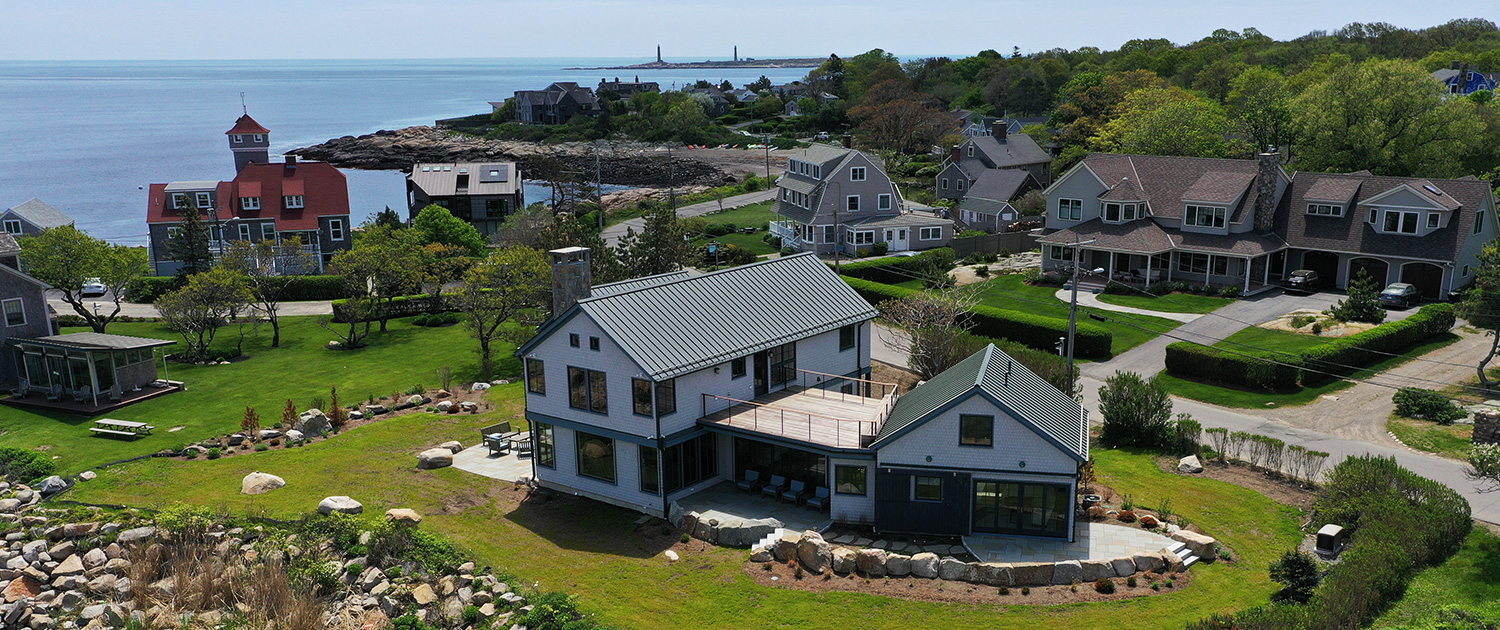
(755, 215)
(1010, 292)
(216, 396)
(1275, 340)
(1468, 580)
(1172, 303)
(1453, 440)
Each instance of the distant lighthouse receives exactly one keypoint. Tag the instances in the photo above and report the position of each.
(736, 53)
(658, 53)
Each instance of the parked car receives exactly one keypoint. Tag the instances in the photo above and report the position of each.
(822, 135)
(1303, 281)
(1400, 294)
(93, 287)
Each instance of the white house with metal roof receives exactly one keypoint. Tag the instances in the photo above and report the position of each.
(643, 392)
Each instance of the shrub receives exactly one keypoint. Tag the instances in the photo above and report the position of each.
(261, 448)
(1302, 320)
(1414, 402)
(1126, 516)
(301, 288)
(1251, 369)
(1189, 435)
(25, 466)
(982, 271)
(719, 229)
(901, 269)
(880, 248)
(686, 538)
(1230, 291)
(1025, 590)
(552, 611)
(1005, 590)
(1131, 581)
(1105, 586)
(1137, 412)
(1097, 513)
(1317, 328)
(214, 453)
(1298, 571)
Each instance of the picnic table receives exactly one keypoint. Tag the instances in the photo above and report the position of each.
(122, 428)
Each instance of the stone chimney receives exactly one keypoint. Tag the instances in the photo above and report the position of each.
(848, 141)
(999, 128)
(570, 278)
(954, 153)
(1267, 176)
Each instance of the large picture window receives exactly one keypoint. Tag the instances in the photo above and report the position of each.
(587, 390)
(1204, 216)
(976, 430)
(536, 376)
(596, 456)
(1016, 508)
(849, 480)
(1400, 222)
(650, 474)
(15, 312)
(1192, 263)
(927, 488)
(690, 462)
(546, 449)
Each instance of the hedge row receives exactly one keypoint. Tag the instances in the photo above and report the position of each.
(1338, 357)
(397, 307)
(147, 289)
(1036, 331)
(894, 269)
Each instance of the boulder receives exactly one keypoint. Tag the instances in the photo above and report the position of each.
(706, 529)
(416, 399)
(1150, 522)
(79, 530)
(897, 565)
(469, 405)
(102, 584)
(1031, 573)
(1147, 561)
(991, 573)
(423, 595)
(268, 434)
(313, 423)
(870, 562)
(1172, 561)
(356, 415)
(340, 504)
(953, 569)
(10, 506)
(445, 405)
(1201, 545)
(435, 458)
(1067, 572)
(761, 554)
(94, 558)
(1190, 464)
(1124, 567)
(375, 410)
(52, 485)
(744, 533)
(670, 555)
(1097, 569)
(260, 483)
(138, 534)
(22, 587)
(479, 386)
(88, 475)
(843, 560)
(236, 439)
(452, 445)
(294, 435)
(405, 516)
(688, 522)
(815, 554)
(785, 547)
(925, 565)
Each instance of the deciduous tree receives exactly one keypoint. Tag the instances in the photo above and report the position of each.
(66, 258)
(1481, 307)
(198, 309)
(435, 224)
(1165, 121)
(270, 267)
(931, 326)
(894, 118)
(504, 287)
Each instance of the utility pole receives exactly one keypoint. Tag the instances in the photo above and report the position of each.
(838, 235)
(598, 188)
(1073, 307)
(671, 180)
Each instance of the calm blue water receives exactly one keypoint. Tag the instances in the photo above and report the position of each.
(87, 136)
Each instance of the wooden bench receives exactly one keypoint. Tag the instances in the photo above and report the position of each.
(100, 430)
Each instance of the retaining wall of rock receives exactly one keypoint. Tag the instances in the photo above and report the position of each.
(1486, 427)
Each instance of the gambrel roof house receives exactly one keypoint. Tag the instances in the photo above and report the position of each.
(836, 197)
(31, 217)
(969, 163)
(645, 392)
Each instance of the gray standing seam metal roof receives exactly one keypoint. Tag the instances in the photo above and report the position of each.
(623, 286)
(442, 178)
(1029, 398)
(674, 327)
(98, 341)
(38, 213)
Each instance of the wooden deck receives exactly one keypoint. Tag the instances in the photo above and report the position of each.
(811, 415)
(87, 408)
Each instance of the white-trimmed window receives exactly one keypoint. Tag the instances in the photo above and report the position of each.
(238, 138)
(829, 233)
(260, 138)
(1204, 216)
(244, 231)
(971, 150)
(12, 226)
(249, 203)
(1432, 220)
(857, 174)
(293, 201)
(1325, 210)
(1070, 209)
(179, 201)
(1059, 252)
(943, 183)
(1189, 262)
(785, 194)
(817, 172)
(15, 312)
(336, 229)
(853, 203)
(1397, 222)
(930, 234)
(883, 202)
(1479, 222)
(173, 231)
(268, 231)
(959, 184)
(861, 237)
(205, 200)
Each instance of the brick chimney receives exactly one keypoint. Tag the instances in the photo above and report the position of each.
(571, 280)
(954, 153)
(998, 129)
(1267, 175)
(848, 141)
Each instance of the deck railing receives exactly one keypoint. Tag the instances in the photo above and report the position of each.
(797, 425)
(864, 388)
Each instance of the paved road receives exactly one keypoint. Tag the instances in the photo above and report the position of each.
(131, 309)
(613, 233)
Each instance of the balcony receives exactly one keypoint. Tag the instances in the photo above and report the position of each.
(788, 233)
(818, 409)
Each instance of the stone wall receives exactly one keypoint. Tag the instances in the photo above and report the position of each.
(1486, 427)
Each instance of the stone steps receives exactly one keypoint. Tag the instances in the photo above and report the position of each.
(1180, 549)
(770, 539)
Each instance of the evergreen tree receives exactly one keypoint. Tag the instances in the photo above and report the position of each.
(1362, 305)
(1299, 572)
(1481, 307)
(389, 218)
(658, 248)
(191, 244)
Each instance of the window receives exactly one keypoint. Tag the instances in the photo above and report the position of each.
(959, 184)
(927, 488)
(494, 207)
(1402, 222)
(546, 452)
(854, 203)
(943, 183)
(783, 361)
(179, 201)
(690, 462)
(846, 337)
(260, 138)
(640, 396)
(293, 201)
(857, 174)
(1466, 271)
(929, 233)
(971, 151)
(1129, 211)
(173, 231)
(883, 202)
(1059, 252)
(1219, 265)
(1111, 212)
(238, 138)
(786, 194)
(268, 231)
(1479, 222)
(976, 430)
(1432, 220)
(205, 200)
(573, 339)
(828, 234)
(596, 456)
(336, 229)
(12, 226)
(1192, 263)
(666, 397)
(861, 238)
(15, 312)
(1372, 216)
(1325, 210)
(849, 480)
(536, 376)
(1204, 216)
(650, 472)
(587, 390)
(250, 203)
(594, 344)
(1070, 209)
(244, 231)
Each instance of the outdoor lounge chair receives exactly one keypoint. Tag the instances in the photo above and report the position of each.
(775, 488)
(55, 393)
(749, 483)
(523, 447)
(819, 499)
(795, 492)
(497, 437)
(83, 393)
(115, 393)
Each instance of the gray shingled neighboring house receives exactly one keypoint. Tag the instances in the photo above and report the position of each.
(482, 193)
(24, 312)
(968, 162)
(832, 196)
(31, 217)
(555, 104)
(643, 393)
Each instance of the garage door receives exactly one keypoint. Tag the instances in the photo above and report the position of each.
(1428, 277)
(1373, 266)
(1326, 264)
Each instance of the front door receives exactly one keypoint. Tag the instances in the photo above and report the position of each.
(762, 374)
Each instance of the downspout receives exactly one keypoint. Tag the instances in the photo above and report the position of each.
(661, 455)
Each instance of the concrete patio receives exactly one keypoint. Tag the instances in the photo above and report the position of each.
(1096, 541)
(725, 502)
(508, 467)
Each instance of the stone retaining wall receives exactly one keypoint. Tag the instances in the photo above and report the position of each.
(1486, 427)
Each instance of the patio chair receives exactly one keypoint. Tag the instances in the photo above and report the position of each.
(83, 393)
(116, 394)
(23, 388)
(775, 487)
(523, 448)
(795, 492)
(819, 499)
(750, 482)
(55, 393)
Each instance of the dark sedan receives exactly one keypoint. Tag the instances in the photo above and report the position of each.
(1400, 294)
(1302, 281)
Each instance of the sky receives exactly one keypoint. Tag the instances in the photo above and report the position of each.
(686, 29)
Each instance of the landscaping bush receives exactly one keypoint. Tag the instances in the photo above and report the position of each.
(1414, 402)
(1137, 412)
(19, 465)
(437, 319)
(901, 269)
(719, 229)
(301, 288)
(1105, 586)
(1249, 369)
(880, 248)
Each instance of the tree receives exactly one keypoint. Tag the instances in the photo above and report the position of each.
(250, 424)
(524, 226)
(435, 224)
(1258, 105)
(506, 286)
(66, 258)
(385, 265)
(388, 218)
(441, 266)
(1298, 570)
(1481, 307)
(289, 414)
(337, 417)
(768, 106)
(567, 231)
(270, 267)
(657, 248)
(190, 246)
(1165, 121)
(1032, 204)
(1363, 304)
(759, 85)
(894, 118)
(932, 324)
(198, 309)
(1137, 412)
(1484, 466)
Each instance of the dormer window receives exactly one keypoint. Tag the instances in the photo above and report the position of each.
(1397, 222)
(971, 151)
(179, 201)
(293, 201)
(1432, 220)
(205, 200)
(250, 203)
(1116, 212)
(260, 138)
(1204, 216)
(1325, 210)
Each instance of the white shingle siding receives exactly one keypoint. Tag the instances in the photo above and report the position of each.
(625, 492)
(1014, 443)
(852, 508)
(610, 359)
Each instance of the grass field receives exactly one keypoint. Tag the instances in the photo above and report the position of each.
(216, 396)
(1453, 440)
(596, 551)
(754, 215)
(1011, 293)
(1171, 303)
(1469, 581)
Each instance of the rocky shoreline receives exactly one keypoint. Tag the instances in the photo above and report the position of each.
(626, 164)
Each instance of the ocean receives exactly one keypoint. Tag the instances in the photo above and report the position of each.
(89, 137)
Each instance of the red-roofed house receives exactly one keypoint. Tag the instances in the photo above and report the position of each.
(265, 200)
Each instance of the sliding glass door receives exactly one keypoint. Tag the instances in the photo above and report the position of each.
(1021, 508)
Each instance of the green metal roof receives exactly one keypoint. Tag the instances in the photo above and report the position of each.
(1029, 398)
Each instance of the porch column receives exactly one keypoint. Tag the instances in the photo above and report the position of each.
(1109, 270)
(1266, 277)
(165, 374)
(1148, 269)
(1171, 262)
(1246, 290)
(93, 377)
